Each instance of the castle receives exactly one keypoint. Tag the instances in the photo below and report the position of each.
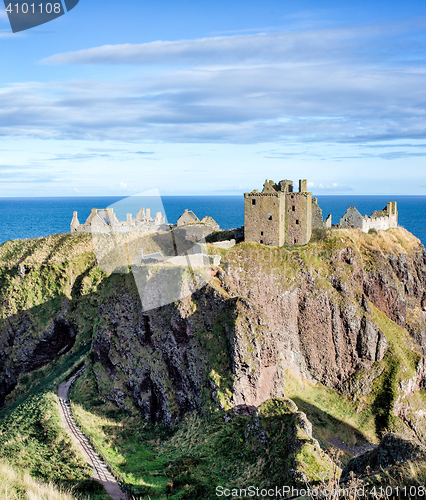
(276, 216)
(279, 216)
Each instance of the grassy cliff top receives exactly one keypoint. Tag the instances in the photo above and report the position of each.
(48, 250)
(65, 247)
(396, 240)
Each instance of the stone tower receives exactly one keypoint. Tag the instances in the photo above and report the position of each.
(278, 215)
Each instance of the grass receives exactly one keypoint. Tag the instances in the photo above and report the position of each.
(331, 413)
(203, 451)
(19, 485)
(400, 341)
(125, 439)
(33, 437)
(45, 379)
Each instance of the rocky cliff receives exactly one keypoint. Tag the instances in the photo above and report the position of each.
(346, 310)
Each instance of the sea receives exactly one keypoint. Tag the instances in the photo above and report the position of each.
(34, 217)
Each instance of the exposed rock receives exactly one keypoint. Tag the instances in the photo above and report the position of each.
(391, 451)
(23, 347)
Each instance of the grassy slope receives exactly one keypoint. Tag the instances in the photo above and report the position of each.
(18, 485)
(202, 451)
(31, 433)
(33, 437)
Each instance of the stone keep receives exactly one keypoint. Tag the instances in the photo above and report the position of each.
(278, 215)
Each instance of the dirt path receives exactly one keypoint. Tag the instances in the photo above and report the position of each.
(355, 450)
(100, 471)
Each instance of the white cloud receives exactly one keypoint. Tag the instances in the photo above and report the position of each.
(295, 46)
(310, 86)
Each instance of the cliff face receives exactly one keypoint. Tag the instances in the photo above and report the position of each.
(44, 288)
(328, 311)
(176, 358)
(322, 311)
(317, 301)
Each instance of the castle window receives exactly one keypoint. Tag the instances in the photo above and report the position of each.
(261, 241)
(293, 208)
(297, 221)
(253, 201)
(270, 217)
(261, 233)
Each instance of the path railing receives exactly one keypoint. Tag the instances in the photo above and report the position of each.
(126, 487)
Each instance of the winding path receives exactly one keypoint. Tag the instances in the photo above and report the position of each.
(100, 471)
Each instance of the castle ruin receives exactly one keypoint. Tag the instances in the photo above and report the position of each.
(105, 220)
(279, 216)
(379, 219)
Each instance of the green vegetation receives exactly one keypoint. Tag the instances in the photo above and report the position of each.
(32, 435)
(41, 277)
(215, 343)
(332, 414)
(18, 485)
(399, 339)
(203, 451)
(385, 393)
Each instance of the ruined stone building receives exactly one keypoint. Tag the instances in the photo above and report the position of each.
(105, 220)
(379, 219)
(278, 215)
(188, 217)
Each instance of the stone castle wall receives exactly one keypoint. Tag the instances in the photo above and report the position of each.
(278, 215)
(379, 219)
(299, 218)
(264, 218)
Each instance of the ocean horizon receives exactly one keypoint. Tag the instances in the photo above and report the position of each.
(36, 217)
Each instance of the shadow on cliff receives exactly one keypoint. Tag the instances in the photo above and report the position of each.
(327, 428)
(34, 337)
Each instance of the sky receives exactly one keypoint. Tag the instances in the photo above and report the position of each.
(196, 97)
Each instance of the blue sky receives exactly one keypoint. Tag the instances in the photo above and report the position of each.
(200, 97)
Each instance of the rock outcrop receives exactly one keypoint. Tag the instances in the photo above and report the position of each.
(392, 450)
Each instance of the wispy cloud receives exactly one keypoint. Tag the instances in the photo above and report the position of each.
(384, 145)
(333, 187)
(293, 46)
(390, 155)
(78, 157)
(12, 174)
(335, 85)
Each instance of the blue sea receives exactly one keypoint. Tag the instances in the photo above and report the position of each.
(33, 217)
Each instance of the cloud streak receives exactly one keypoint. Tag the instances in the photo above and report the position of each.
(300, 86)
(295, 46)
